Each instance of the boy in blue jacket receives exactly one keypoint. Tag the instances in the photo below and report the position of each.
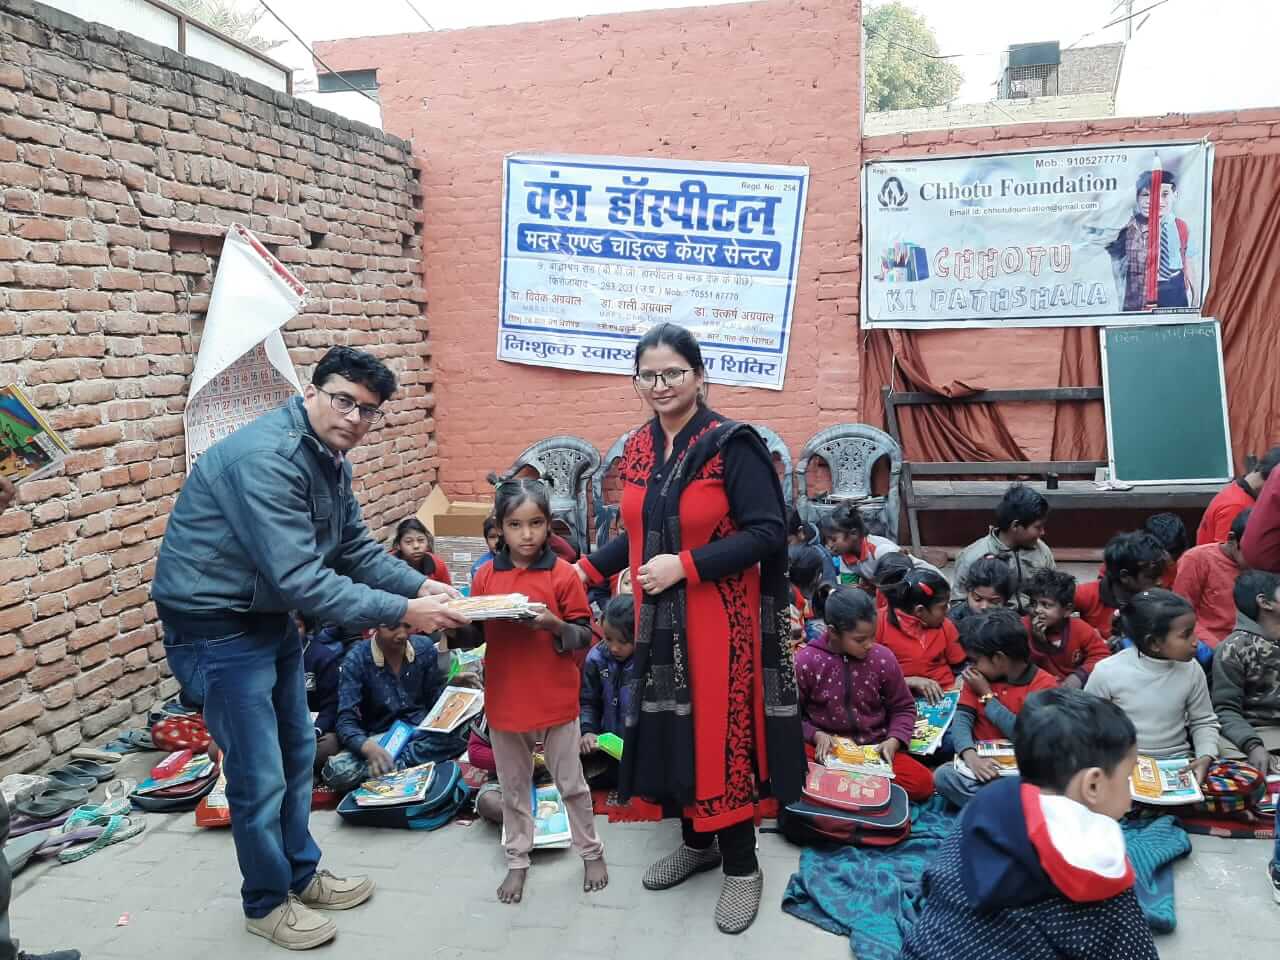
(1037, 870)
(608, 685)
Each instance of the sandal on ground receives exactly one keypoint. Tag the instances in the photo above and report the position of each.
(120, 789)
(131, 741)
(96, 814)
(116, 829)
(18, 852)
(57, 842)
(677, 867)
(739, 902)
(51, 802)
(21, 825)
(68, 777)
(101, 756)
(100, 772)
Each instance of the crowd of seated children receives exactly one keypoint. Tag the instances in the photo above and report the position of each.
(801, 533)
(1132, 563)
(915, 629)
(414, 545)
(1240, 494)
(1158, 683)
(987, 585)
(1246, 674)
(1037, 869)
(1207, 578)
(1017, 538)
(1065, 647)
(856, 551)
(850, 686)
(1169, 529)
(608, 689)
(391, 676)
(996, 686)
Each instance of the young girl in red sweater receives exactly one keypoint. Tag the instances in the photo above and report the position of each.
(413, 544)
(916, 630)
(532, 681)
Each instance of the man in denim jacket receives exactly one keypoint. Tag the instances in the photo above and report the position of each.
(267, 524)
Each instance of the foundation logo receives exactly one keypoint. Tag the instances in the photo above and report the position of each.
(892, 195)
(904, 263)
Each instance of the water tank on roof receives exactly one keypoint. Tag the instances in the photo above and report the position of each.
(1034, 54)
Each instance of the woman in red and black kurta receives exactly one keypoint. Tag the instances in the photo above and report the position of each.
(714, 724)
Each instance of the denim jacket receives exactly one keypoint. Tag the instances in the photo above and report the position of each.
(267, 523)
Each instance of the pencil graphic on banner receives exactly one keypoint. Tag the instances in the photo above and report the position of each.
(1154, 236)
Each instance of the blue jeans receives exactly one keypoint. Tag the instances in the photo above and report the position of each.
(255, 705)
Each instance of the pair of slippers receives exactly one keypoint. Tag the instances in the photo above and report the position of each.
(85, 831)
(131, 741)
(68, 787)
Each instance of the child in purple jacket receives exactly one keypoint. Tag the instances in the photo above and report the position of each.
(851, 686)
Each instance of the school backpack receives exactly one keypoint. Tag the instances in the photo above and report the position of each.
(863, 811)
(1232, 786)
(445, 797)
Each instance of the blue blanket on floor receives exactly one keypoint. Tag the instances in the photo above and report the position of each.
(873, 895)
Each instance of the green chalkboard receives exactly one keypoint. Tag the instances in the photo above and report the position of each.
(1166, 403)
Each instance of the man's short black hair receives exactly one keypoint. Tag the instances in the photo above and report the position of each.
(1056, 585)
(1169, 529)
(999, 630)
(1020, 504)
(1252, 584)
(1060, 732)
(1239, 524)
(1270, 460)
(1133, 553)
(358, 367)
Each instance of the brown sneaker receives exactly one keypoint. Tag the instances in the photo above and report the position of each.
(293, 926)
(327, 892)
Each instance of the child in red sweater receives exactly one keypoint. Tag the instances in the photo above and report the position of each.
(413, 544)
(532, 681)
(1064, 646)
(916, 630)
(1132, 562)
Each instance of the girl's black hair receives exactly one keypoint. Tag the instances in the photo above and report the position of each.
(620, 613)
(796, 525)
(819, 601)
(1169, 529)
(413, 525)
(848, 606)
(678, 339)
(513, 494)
(992, 573)
(491, 525)
(846, 518)
(997, 631)
(1239, 524)
(804, 566)
(914, 587)
(1145, 619)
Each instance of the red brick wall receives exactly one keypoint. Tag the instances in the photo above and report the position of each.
(118, 164)
(768, 82)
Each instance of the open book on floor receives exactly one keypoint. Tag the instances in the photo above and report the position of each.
(1164, 782)
(550, 820)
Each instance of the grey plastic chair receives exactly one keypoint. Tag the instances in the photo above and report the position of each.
(606, 513)
(851, 451)
(567, 464)
(778, 448)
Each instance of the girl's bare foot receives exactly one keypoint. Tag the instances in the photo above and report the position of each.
(512, 888)
(595, 875)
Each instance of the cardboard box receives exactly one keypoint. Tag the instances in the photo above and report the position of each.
(446, 518)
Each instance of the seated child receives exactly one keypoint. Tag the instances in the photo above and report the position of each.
(850, 686)
(1246, 674)
(1158, 683)
(803, 534)
(322, 655)
(608, 688)
(1038, 869)
(995, 688)
(804, 570)
(492, 536)
(391, 676)
(988, 584)
(1063, 646)
(1132, 562)
(1015, 539)
(845, 532)
(1239, 494)
(917, 632)
(1207, 578)
(413, 544)
(1169, 529)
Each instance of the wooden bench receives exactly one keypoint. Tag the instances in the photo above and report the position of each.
(957, 493)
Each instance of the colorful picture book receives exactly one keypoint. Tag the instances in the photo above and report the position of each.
(29, 447)
(844, 790)
(858, 758)
(1164, 782)
(196, 768)
(932, 721)
(404, 786)
(506, 606)
(1001, 751)
(455, 707)
(550, 820)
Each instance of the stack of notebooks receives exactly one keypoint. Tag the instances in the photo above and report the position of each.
(507, 606)
(1001, 751)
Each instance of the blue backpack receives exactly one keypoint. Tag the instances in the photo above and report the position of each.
(445, 797)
